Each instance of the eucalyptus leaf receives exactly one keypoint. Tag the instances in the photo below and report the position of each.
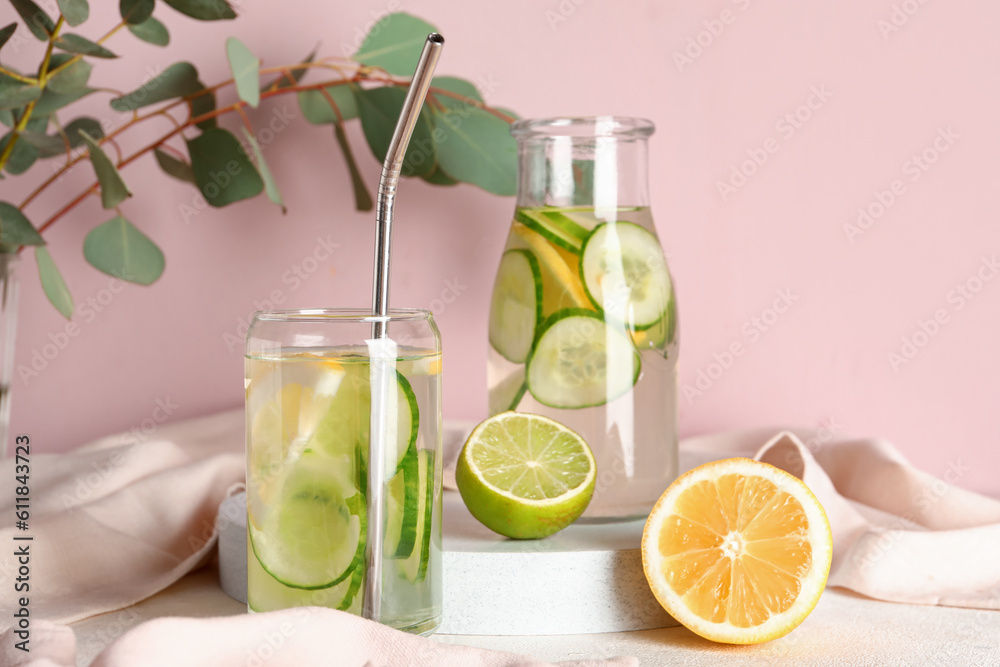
(15, 229)
(6, 117)
(270, 185)
(74, 11)
(56, 143)
(71, 79)
(458, 86)
(246, 71)
(21, 157)
(476, 147)
(178, 80)
(203, 104)
(113, 188)
(438, 177)
(120, 249)
(221, 168)
(52, 282)
(6, 32)
(317, 110)
(135, 12)
(204, 10)
(47, 145)
(14, 94)
(379, 109)
(296, 73)
(39, 23)
(151, 31)
(394, 43)
(507, 112)
(82, 45)
(51, 101)
(362, 198)
(179, 169)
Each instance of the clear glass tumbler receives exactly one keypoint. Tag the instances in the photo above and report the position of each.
(308, 410)
(583, 318)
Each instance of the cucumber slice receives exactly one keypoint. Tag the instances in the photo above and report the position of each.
(516, 306)
(348, 420)
(312, 539)
(581, 361)
(625, 273)
(508, 394)
(414, 568)
(402, 511)
(559, 230)
(561, 286)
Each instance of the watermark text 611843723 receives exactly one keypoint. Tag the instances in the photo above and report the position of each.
(22, 542)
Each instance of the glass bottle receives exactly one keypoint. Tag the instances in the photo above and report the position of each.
(583, 316)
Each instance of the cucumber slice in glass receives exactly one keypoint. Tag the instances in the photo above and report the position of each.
(580, 361)
(508, 394)
(402, 508)
(311, 539)
(558, 229)
(414, 568)
(625, 273)
(516, 306)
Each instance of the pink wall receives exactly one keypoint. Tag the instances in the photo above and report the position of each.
(886, 98)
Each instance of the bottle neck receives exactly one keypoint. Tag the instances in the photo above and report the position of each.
(606, 173)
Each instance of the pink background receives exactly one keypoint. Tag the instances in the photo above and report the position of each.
(825, 361)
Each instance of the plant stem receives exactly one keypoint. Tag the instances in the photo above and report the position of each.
(20, 77)
(22, 122)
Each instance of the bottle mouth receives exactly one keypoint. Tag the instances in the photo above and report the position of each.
(583, 127)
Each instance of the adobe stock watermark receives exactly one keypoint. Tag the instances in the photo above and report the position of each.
(752, 329)
(712, 30)
(293, 278)
(562, 12)
(900, 15)
(85, 312)
(786, 127)
(958, 297)
(913, 169)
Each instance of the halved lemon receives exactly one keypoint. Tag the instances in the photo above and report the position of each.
(738, 551)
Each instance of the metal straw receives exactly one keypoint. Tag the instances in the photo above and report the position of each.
(372, 606)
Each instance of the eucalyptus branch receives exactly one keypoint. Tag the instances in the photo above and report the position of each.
(19, 77)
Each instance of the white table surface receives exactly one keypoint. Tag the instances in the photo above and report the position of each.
(844, 630)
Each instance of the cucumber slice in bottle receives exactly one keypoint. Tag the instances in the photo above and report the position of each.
(625, 272)
(311, 539)
(561, 287)
(516, 306)
(508, 394)
(559, 230)
(581, 361)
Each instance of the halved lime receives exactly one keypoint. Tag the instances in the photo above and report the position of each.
(525, 476)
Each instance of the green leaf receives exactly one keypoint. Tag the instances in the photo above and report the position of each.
(56, 144)
(507, 112)
(151, 31)
(47, 145)
(455, 85)
(221, 168)
(6, 117)
(178, 80)
(135, 12)
(201, 105)
(51, 101)
(317, 110)
(39, 23)
(438, 177)
(6, 32)
(70, 80)
(179, 169)
(15, 94)
(83, 46)
(119, 249)
(113, 188)
(379, 109)
(362, 198)
(476, 147)
(297, 74)
(246, 71)
(395, 43)
(270, 185)
(74, 11)
(15, 229)
(52, 282)
(204, 10)
(21, 157)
